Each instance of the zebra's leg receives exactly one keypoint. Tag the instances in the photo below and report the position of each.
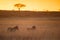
(13, 30)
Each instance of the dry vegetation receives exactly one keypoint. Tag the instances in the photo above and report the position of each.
(46, 29)
(29, 14)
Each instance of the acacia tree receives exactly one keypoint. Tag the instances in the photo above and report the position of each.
(19, 6)
(58, 9)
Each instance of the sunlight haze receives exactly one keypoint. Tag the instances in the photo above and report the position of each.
(32, 5)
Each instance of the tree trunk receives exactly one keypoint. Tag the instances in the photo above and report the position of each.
(19, 9)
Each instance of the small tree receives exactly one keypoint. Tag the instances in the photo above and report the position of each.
(19, 6)
(58, 9)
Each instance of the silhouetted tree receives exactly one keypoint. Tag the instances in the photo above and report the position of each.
(19, 6)
(58, 9)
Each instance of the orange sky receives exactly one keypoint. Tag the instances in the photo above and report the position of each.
(33, 5)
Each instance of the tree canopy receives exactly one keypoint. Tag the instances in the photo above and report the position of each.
(19, 5)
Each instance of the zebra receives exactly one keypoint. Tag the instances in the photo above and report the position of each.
(13, 29)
